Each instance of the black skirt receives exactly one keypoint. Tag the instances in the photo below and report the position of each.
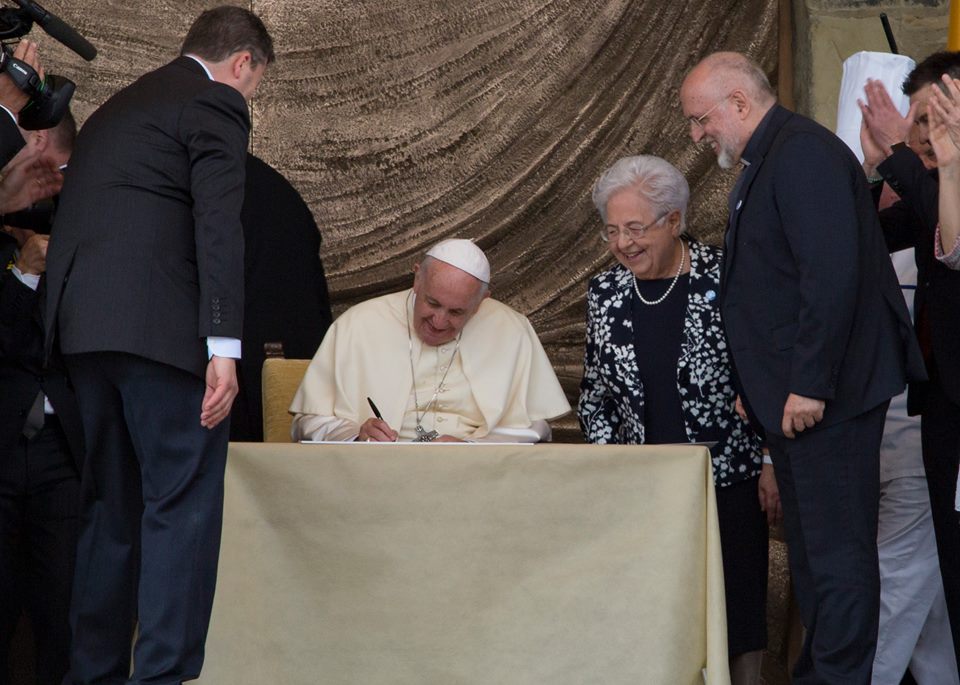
(744, 544)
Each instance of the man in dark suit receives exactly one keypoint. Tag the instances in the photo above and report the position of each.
(145, 297)
(286, 290)
(41, 440)
(897, 149)
(820, 339)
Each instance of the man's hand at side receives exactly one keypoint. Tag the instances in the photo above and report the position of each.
(800, 413)
(769, 495)
(221, 390)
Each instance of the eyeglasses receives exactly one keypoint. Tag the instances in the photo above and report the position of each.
(698, 122)
(610, 234)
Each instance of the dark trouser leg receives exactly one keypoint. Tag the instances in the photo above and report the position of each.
(940, 436)
(181, 466)
(829, 487)
(103, 610)
(52, 521)
(12, 501)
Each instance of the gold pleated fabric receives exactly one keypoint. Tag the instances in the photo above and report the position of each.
(406, 121)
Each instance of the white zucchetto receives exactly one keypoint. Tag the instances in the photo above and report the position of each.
(464, 255)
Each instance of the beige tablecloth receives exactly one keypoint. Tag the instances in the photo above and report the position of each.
(450, 565)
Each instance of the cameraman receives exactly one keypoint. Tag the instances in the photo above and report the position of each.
(40, 429)
(12, 100)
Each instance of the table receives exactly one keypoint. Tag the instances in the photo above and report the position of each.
(468, 564)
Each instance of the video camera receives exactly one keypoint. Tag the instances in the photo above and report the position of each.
(50, 96)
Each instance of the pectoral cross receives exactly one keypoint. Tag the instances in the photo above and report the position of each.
(424, 435)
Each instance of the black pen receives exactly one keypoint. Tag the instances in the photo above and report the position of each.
(376, 412)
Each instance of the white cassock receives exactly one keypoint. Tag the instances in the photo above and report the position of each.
(500, 385)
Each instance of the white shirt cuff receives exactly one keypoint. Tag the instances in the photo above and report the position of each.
(223, 347)
(32, 281)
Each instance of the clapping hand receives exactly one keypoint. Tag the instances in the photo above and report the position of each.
(943, 113)
(883, 126)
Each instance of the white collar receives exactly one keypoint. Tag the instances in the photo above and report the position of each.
(202, 64)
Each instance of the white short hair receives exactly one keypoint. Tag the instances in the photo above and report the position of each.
(653, 178)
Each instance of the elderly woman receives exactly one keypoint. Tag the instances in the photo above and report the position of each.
(656, 370)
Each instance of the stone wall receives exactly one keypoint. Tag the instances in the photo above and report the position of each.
(826, 32)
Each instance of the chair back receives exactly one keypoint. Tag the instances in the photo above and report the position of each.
(281, 378)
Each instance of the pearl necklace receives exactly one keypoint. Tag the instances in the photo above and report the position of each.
(683, 256)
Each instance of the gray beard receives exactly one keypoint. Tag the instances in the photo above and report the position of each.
(725, 159)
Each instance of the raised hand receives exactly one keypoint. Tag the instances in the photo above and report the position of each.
(882, 121)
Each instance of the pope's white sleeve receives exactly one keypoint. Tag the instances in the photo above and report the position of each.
(314, 427)
(539, 431)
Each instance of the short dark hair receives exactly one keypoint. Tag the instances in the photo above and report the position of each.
(63, 134)
(225, 30)
(930, 70)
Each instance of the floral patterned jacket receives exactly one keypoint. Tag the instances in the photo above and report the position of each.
(611, 395)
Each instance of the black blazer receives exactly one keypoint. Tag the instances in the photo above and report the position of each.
(912, 222)
(22, 374)
(810, 300)
(286, 290)
(611, 406)
(148, 229)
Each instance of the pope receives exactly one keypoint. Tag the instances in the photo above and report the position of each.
(442, 361)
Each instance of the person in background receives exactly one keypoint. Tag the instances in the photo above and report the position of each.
(287, 301)
(41, 436)
(13, 100)
(657, 370)
(944, 115)
(898, 150)
(914, 631)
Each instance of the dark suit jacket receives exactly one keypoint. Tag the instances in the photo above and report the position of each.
(810, 302)
(22, 374)
(11, 140)
(148, 229)
(912, 222)
(286, 290)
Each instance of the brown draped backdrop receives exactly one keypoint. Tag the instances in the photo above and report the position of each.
(405, 121)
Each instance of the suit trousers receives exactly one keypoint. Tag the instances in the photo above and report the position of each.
(39, 500)
(940, 441)
(152, 509)
(829, 480)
